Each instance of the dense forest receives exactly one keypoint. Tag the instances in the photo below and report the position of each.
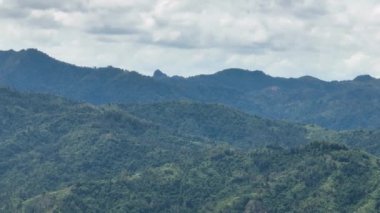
(58, 155)
(319, 177)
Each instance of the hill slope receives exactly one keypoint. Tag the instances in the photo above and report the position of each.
(47, 143)
(219, 123)
(241, 130)
(320, 177)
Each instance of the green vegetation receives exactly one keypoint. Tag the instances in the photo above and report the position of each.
(320, 177)
(62, 156)
(220, 123)
(47, 143)
(216, 122)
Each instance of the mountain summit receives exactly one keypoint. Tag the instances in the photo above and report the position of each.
(364, 78)
(158, 74)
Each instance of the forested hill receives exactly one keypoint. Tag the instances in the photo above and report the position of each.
(47, 143)
(61, 156)
(337, 104)
(320, 177)
(220, 123)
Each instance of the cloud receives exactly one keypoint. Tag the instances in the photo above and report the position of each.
(322, 38)
(356, 59)
(43, 20)
(112, 30)
(11, 13)
(45, 4)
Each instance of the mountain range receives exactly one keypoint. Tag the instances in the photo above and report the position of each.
(339, 105)
(58, 155)
(80, 139)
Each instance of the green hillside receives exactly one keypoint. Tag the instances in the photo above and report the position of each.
(319, 177)
(62, 156)
(242, 130)
(221, 123)
(47, 143)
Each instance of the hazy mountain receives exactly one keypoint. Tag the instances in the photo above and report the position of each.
(338, 105)
(31, 70)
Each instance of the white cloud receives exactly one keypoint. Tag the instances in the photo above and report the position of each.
(325, 38)
(355, 60)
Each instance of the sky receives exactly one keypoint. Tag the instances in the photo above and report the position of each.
(328, 39)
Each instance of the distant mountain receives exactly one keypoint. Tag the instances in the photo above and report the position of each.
(158, 74)
(31, 70)
(337, 104)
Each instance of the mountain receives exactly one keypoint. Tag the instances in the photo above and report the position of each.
(47, 143)
(158, 74)
(338, 104)
(32, 70)
(58, 155)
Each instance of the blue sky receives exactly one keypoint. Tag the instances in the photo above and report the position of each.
(328, 39)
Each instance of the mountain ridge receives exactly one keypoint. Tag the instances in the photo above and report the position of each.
(340, 105)
(42, 55)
